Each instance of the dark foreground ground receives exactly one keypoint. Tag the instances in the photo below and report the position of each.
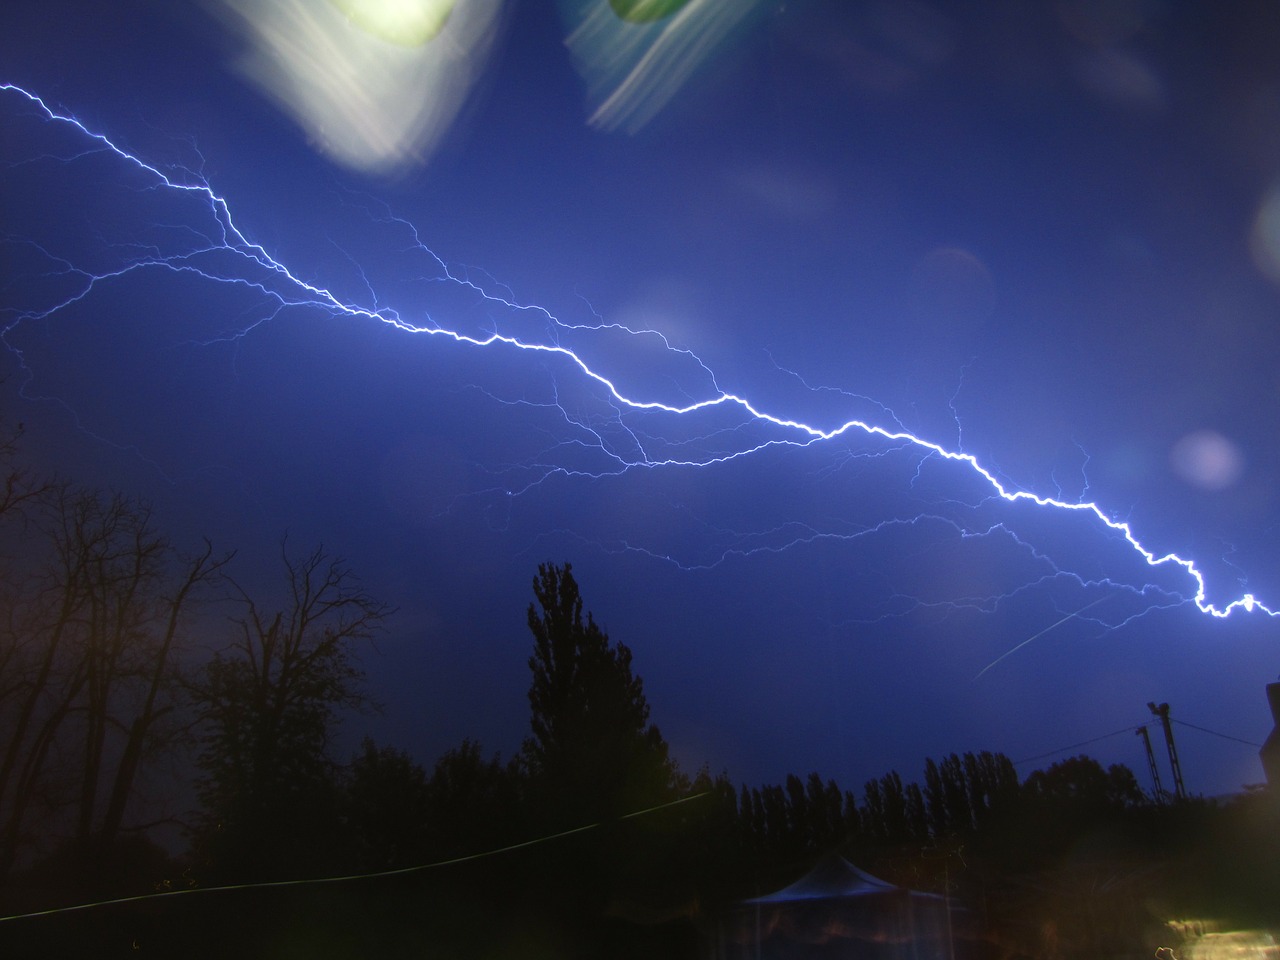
(1204, 885)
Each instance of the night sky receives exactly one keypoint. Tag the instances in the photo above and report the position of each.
(1042, 235)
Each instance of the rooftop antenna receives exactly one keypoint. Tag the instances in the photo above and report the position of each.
(1151, 763)
(1162, 711)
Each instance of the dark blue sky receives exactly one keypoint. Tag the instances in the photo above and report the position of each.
(1046, 235)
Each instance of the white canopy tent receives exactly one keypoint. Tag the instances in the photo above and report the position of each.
(837, 911)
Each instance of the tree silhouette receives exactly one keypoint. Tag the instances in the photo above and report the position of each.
(386, 809)
(945, 796)
(268, 705)
(592, 758)
(471, 802)
(593, 753)
(87, 654)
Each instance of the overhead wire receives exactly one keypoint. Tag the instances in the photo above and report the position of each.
(1114, 733)
(1082, 743)
(1224, 736)
(312, 881)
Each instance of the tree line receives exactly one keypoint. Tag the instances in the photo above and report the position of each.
(121, 655)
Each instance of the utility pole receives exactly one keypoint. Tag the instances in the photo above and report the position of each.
(1151, 764)
(1162, 711)
(1270, 752)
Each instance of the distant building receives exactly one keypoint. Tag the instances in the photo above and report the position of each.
(1270, 752)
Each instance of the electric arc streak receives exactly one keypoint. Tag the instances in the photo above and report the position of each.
(1036, 636)
(295, 292)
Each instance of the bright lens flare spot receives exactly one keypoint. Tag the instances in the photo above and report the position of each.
(408, 23)
(359, 75)
(1208, 460)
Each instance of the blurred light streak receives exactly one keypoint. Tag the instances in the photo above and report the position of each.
(375, 85)
(634, 66)
(1265, 240)
(1203, 939)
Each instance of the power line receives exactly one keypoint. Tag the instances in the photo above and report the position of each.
(1114, 733)
(261, 885)
(1224, 736)
(1076, 746)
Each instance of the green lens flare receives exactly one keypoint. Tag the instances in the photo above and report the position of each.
(645, 11)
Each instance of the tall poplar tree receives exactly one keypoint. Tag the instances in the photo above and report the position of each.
(593, 753)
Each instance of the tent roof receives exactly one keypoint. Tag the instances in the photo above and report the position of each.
(831, 878)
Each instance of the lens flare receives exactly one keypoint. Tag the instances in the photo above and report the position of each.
(409, 23)
(1208, 460)
(636, 55)
(375, 85)
(1265, 241)
(645, 11)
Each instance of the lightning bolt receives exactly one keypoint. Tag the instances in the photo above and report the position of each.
(616, 428)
